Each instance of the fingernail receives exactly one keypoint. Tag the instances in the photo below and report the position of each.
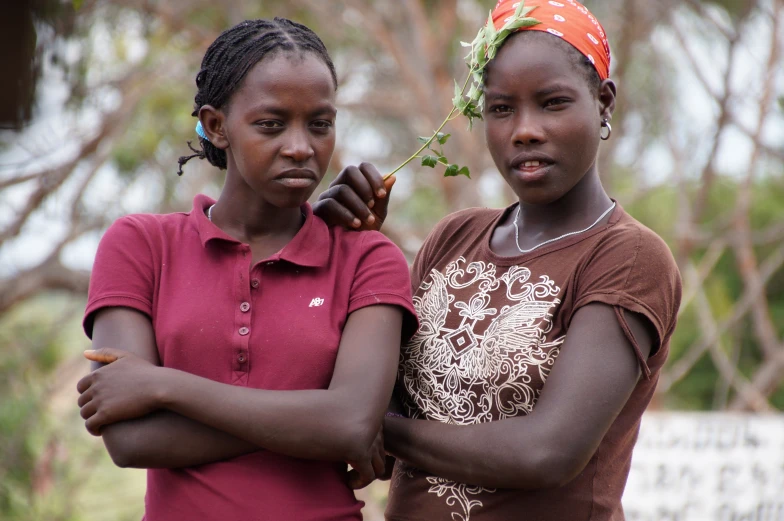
(370, 220)
(89, 351)
(381, 192)
(356, 223)
(371, 203)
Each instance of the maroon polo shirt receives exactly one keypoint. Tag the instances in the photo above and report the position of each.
(274, 325)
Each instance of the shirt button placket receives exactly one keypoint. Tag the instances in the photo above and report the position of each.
(244, 331)
(240, 350)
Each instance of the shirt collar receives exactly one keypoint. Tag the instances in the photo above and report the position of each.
(310, 246)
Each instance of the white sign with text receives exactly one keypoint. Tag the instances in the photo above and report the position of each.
(707, 467)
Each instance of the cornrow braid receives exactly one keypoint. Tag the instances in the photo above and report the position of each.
(233, 54)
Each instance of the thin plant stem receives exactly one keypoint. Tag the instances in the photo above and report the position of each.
(435, 134)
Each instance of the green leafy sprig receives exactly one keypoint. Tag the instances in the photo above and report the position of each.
(483, 49)
(439, 157)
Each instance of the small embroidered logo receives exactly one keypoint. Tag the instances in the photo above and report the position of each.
(316, 302)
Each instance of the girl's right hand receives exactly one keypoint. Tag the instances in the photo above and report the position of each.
(357, 199)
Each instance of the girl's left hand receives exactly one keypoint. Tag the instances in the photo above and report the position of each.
(364, 472)
(349, 199)
(122, 390)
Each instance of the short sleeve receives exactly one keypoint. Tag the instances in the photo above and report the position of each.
(424, 257)
(123, 274)
(382, 277)
(633, 270)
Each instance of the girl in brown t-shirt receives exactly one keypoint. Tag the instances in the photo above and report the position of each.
(562, 288)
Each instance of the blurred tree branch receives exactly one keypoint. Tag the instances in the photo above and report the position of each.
(51, 274)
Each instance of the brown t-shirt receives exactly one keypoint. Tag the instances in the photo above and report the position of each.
(491, 330)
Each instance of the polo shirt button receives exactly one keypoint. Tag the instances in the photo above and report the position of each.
(244, 331)
(254, 283)
(241, 359)
(270, 263)
(244, 307)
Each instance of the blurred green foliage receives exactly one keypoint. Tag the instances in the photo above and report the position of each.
(51, 469)
(33, 348)
(724, 287)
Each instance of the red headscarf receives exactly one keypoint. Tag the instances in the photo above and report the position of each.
(567, 19)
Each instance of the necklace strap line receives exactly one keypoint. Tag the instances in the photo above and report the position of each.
(517, 230)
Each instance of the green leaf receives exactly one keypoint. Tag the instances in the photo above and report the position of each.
(442, 138)
(490, 28)
(451, 171)
(464, 171)
(443, 160)
(423, 139)
(524, 22)
(429, 161)
(527, 10)
(481, 59)
(519, 10)
(501, 36)
(480, 35)
(77, 4)
(476, 45)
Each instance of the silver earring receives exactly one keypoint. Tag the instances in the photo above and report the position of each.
(606, 125)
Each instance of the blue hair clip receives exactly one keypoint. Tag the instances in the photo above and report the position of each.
(200, 132)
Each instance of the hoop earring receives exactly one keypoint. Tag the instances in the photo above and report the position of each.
(605, 125)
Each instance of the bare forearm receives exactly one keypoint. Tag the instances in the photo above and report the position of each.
(311, 424)
(485, 454)
(167, 440)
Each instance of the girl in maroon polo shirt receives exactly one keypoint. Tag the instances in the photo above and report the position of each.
(562, 287)
(237, 336)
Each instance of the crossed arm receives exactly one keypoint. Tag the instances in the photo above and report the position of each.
(151, 416)
(161, 439)
(589, 385)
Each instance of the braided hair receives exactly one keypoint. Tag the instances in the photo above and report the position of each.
(233, 54)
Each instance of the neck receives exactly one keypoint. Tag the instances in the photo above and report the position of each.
(244, 215)
(576, 209)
